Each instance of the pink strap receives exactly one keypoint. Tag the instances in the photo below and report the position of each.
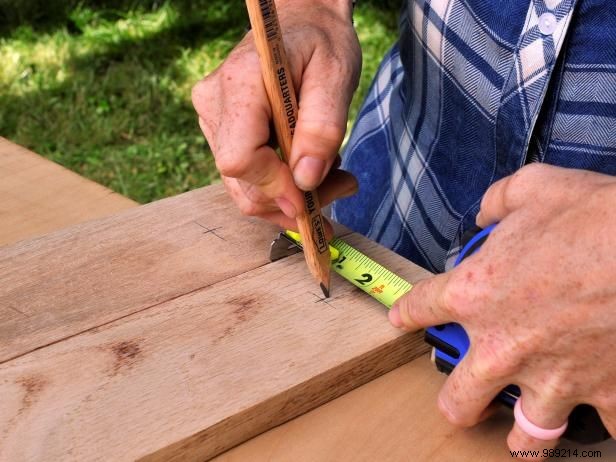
(533, 430)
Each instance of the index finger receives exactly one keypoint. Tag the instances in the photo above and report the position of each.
(425, 305)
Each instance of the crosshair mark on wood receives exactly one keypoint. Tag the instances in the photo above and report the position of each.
(320, 299)
(150, 346)
(213, 230)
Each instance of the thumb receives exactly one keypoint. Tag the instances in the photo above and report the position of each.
(321, 123)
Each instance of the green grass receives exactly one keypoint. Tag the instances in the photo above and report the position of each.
(105, 91)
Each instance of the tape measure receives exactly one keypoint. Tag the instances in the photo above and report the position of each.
(357, 268)
(449, 341)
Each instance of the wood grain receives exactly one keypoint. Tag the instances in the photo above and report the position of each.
(392, 418)
(94, 273)
(199, 373)
(38, 196)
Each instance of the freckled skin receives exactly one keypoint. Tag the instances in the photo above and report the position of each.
(543, 315)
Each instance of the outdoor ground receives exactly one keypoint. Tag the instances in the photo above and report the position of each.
(103, 87)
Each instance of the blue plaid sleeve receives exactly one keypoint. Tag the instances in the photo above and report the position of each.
(472, 91)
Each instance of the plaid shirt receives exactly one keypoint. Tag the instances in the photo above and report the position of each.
(474, 90)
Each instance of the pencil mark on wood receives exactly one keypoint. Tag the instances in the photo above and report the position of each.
(125, 354)
(321, 299)
(212, 231)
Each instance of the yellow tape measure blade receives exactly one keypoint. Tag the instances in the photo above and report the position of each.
(363, 272)
(371, 277)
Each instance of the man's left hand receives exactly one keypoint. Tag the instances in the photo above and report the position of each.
(538, 302)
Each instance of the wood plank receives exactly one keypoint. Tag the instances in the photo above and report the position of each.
(197, 374)
(361, 425)
(393, 418)
(39, 196)
(91, 274)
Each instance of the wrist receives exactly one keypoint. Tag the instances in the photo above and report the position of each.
(343, 8)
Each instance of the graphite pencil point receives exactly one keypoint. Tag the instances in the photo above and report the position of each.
(325, 290)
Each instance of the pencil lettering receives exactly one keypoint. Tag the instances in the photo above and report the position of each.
(286, 96)
(309, 202)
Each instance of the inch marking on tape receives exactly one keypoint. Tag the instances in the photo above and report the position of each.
(360, 270)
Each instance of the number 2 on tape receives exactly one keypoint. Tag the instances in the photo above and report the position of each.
(363, 272)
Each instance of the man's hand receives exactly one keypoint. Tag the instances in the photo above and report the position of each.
(538, 302)
(234, 113)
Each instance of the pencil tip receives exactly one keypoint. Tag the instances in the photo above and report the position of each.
(325, 290)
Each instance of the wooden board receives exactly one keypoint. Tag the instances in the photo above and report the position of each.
(145, 335)
(38, 196)
(81, 277)
(392, 418)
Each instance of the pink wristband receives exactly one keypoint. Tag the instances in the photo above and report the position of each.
(533, 430)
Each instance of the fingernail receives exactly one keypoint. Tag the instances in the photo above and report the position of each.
(394, 316)
(308, 172)
(286, 206)
(478, 217)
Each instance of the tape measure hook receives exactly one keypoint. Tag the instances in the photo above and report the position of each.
(283, 246)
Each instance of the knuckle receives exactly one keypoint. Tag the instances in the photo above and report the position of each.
(532, 170)
(231, 166)
(266, 177)
(329, 131)
(455, 299)
(510, 193)
(493, 361)
(248, 208)
(521, 181)
(469, 292)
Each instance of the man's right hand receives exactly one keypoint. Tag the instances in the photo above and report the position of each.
(235, 115)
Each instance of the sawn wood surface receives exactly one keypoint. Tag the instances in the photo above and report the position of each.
(163, 333)
(392, 418)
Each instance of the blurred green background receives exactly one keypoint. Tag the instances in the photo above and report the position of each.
(103, 87)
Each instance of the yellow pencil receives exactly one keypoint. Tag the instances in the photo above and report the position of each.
(279, 87)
